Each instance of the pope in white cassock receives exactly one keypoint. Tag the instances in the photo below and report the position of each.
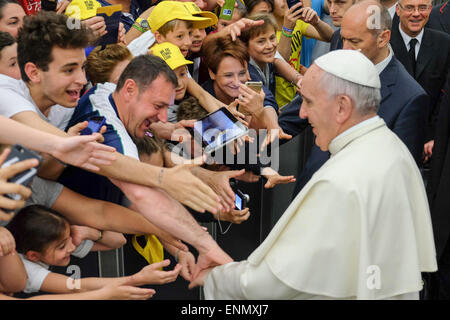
(361, 228)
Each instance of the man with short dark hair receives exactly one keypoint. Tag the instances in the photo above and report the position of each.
(56, 75)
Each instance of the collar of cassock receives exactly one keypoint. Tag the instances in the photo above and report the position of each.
(353, 133)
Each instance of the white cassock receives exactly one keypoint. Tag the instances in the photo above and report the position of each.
(360, 229)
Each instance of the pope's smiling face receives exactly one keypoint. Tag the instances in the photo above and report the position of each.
(318, 108)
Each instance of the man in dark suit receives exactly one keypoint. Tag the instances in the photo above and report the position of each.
(428, 60)
(403, 102)
(440, 18)
(438, 189)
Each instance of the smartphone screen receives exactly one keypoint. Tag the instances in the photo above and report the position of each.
(238, 202)
(218, 129)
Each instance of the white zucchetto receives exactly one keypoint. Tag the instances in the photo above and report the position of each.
(350, 65)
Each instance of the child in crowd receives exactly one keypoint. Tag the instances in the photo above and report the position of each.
(172, 55)
(106, 64)
(173, 21)
(43, 239)
(8, 56)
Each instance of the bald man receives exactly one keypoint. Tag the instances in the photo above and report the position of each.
(404, 103)
(361, 228)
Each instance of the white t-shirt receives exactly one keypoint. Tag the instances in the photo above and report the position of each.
(36, 274)
(16, 98)
(100, 102)
(38, 271)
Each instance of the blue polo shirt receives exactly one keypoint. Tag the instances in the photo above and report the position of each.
(98, 101)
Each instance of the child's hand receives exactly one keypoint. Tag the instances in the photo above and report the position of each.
(119, 291)
(187, 262)
(152, 275)
(273, 180)
(7, 242)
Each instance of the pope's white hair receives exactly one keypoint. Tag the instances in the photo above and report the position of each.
(366, 99)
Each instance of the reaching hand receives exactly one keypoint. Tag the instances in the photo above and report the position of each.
(219, 181)
(84, 152)
(200, 279)
(182, 185)
(119, 291)
(273, 180)
(235, 29)
(234, 216)
(273, 134)
(6, 187)
(187, 262)
(7, 242)
(211, 258)
(152, 275)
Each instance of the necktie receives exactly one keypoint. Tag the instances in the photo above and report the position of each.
(412, 54)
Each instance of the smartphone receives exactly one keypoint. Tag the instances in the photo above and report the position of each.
(254, 85)
(291, 3)
(242, 200)
(226, 13)
(95, 123)
(217, 129)
(112, 15)
(19, 153)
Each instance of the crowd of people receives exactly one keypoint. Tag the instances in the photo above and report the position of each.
(369, 215)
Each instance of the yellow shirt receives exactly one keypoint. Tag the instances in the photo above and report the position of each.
(284, 90)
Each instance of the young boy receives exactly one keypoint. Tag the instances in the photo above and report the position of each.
(172, 21)
(8, 56)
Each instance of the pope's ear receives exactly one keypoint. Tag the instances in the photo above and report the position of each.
(33, 72)
(345, 108)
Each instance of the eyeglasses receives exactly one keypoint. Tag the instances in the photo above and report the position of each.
(411, 9)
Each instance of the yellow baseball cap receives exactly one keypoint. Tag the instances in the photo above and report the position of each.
(82, 9)
(171, 54)
(170, 10)
(196, 11)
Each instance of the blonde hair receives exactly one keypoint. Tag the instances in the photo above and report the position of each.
(170, 26)
(102, 61)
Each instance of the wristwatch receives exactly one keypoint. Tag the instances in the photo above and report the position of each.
(141, 25)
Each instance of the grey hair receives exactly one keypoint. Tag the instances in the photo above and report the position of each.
(366, 99)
